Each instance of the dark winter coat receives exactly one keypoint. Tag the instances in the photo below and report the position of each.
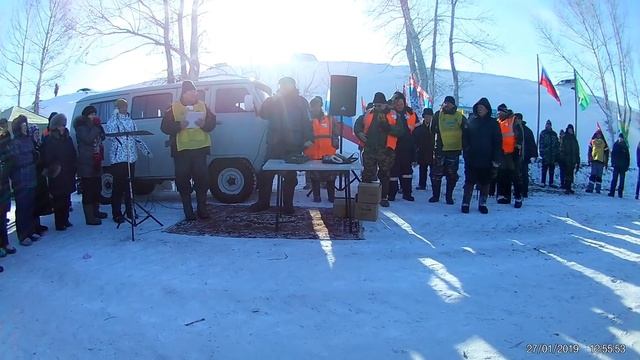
(425, 144)
(5, 172)
(482, 139)
(530, 147)
(549, 147)
(60, 159)
(44, 203)
(23, 159)
(406, 147)
(89, 137)
(289, 125)
(620, 157)
(569, 150)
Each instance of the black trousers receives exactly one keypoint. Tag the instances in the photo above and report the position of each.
(524, 177)
(508, 175)
(120, 174)
(265, 184)
(90, 190)
(424, 169)
(191, 164)
(25, 206)
(617, 174)
(476, 176)
(4, 235)
(550, 168)
(61, 210)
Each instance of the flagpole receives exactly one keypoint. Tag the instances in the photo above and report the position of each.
(575, 101)
(538, 83)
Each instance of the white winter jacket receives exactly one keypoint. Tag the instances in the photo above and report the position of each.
(123, 148)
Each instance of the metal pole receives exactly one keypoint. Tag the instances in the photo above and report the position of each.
(575, 102)
(538, 85)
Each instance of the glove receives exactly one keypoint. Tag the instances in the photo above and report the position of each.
(384, 127)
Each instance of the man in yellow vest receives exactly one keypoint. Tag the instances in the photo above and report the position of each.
(509, 172)
(402, 169)
(598, 160)
(447, 125)
(325, 142)
(379, 134)
(188, 123)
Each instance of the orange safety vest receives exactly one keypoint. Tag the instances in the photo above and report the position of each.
(322, 139)
(411, 122)
(508, 135)
(391, 119)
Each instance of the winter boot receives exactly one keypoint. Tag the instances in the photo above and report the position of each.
(465, 208)
(518, 204)
(467, 194)
(89, 214)
(187, 207)
(393, 189)
(611, 194)
(449, 195)
(406, 189)
(620, 193)
(598, 187)
(436, 185)
(331, 191)
(315, 189)
(201, 200)
(384, 202)
(591, 185)
(99, 214)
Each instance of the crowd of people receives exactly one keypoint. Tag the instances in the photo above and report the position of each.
(41, 171)
(497, 152)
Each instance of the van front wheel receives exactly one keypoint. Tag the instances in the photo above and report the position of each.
(231, 180)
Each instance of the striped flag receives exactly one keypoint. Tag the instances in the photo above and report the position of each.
(546, 82)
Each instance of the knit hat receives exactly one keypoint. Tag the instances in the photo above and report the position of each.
(518, 116)
(398, 96)
(16, 125)
(369, 106)
(58, 120)
(188, 85)
(379, 98)
(450, 100)
(427, 111)
(316, 100)
(502, 107)
(621, 136)
(121, 102)
(548, 122)
(51, 116)
(89, 110)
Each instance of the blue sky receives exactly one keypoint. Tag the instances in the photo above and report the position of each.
(331, 30)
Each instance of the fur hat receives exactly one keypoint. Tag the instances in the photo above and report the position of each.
(89, 110)
(58, 120)
(502, 107)
(379, 98)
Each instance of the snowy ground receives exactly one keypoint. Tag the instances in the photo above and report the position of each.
(427, 283)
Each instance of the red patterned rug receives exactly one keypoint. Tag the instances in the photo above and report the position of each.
(235, 221)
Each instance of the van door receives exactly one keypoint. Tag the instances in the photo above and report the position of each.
(239, 132)
(147, 110)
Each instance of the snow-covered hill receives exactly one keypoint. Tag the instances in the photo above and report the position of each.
(519, 94)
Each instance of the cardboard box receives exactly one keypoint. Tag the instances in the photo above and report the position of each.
(340, 207)
(369, 193)
(366, 212)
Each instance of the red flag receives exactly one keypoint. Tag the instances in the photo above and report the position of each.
(548, 84)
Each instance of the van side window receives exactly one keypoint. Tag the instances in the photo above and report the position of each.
(150, 106)
(105, 109)
(231, 100)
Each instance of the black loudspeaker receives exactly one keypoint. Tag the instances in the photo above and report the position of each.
(343, 92)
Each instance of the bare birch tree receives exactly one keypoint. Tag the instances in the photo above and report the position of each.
(52, 35)
(595, 43)
(15, 52)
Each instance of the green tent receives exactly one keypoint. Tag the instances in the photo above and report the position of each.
(33, 118)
